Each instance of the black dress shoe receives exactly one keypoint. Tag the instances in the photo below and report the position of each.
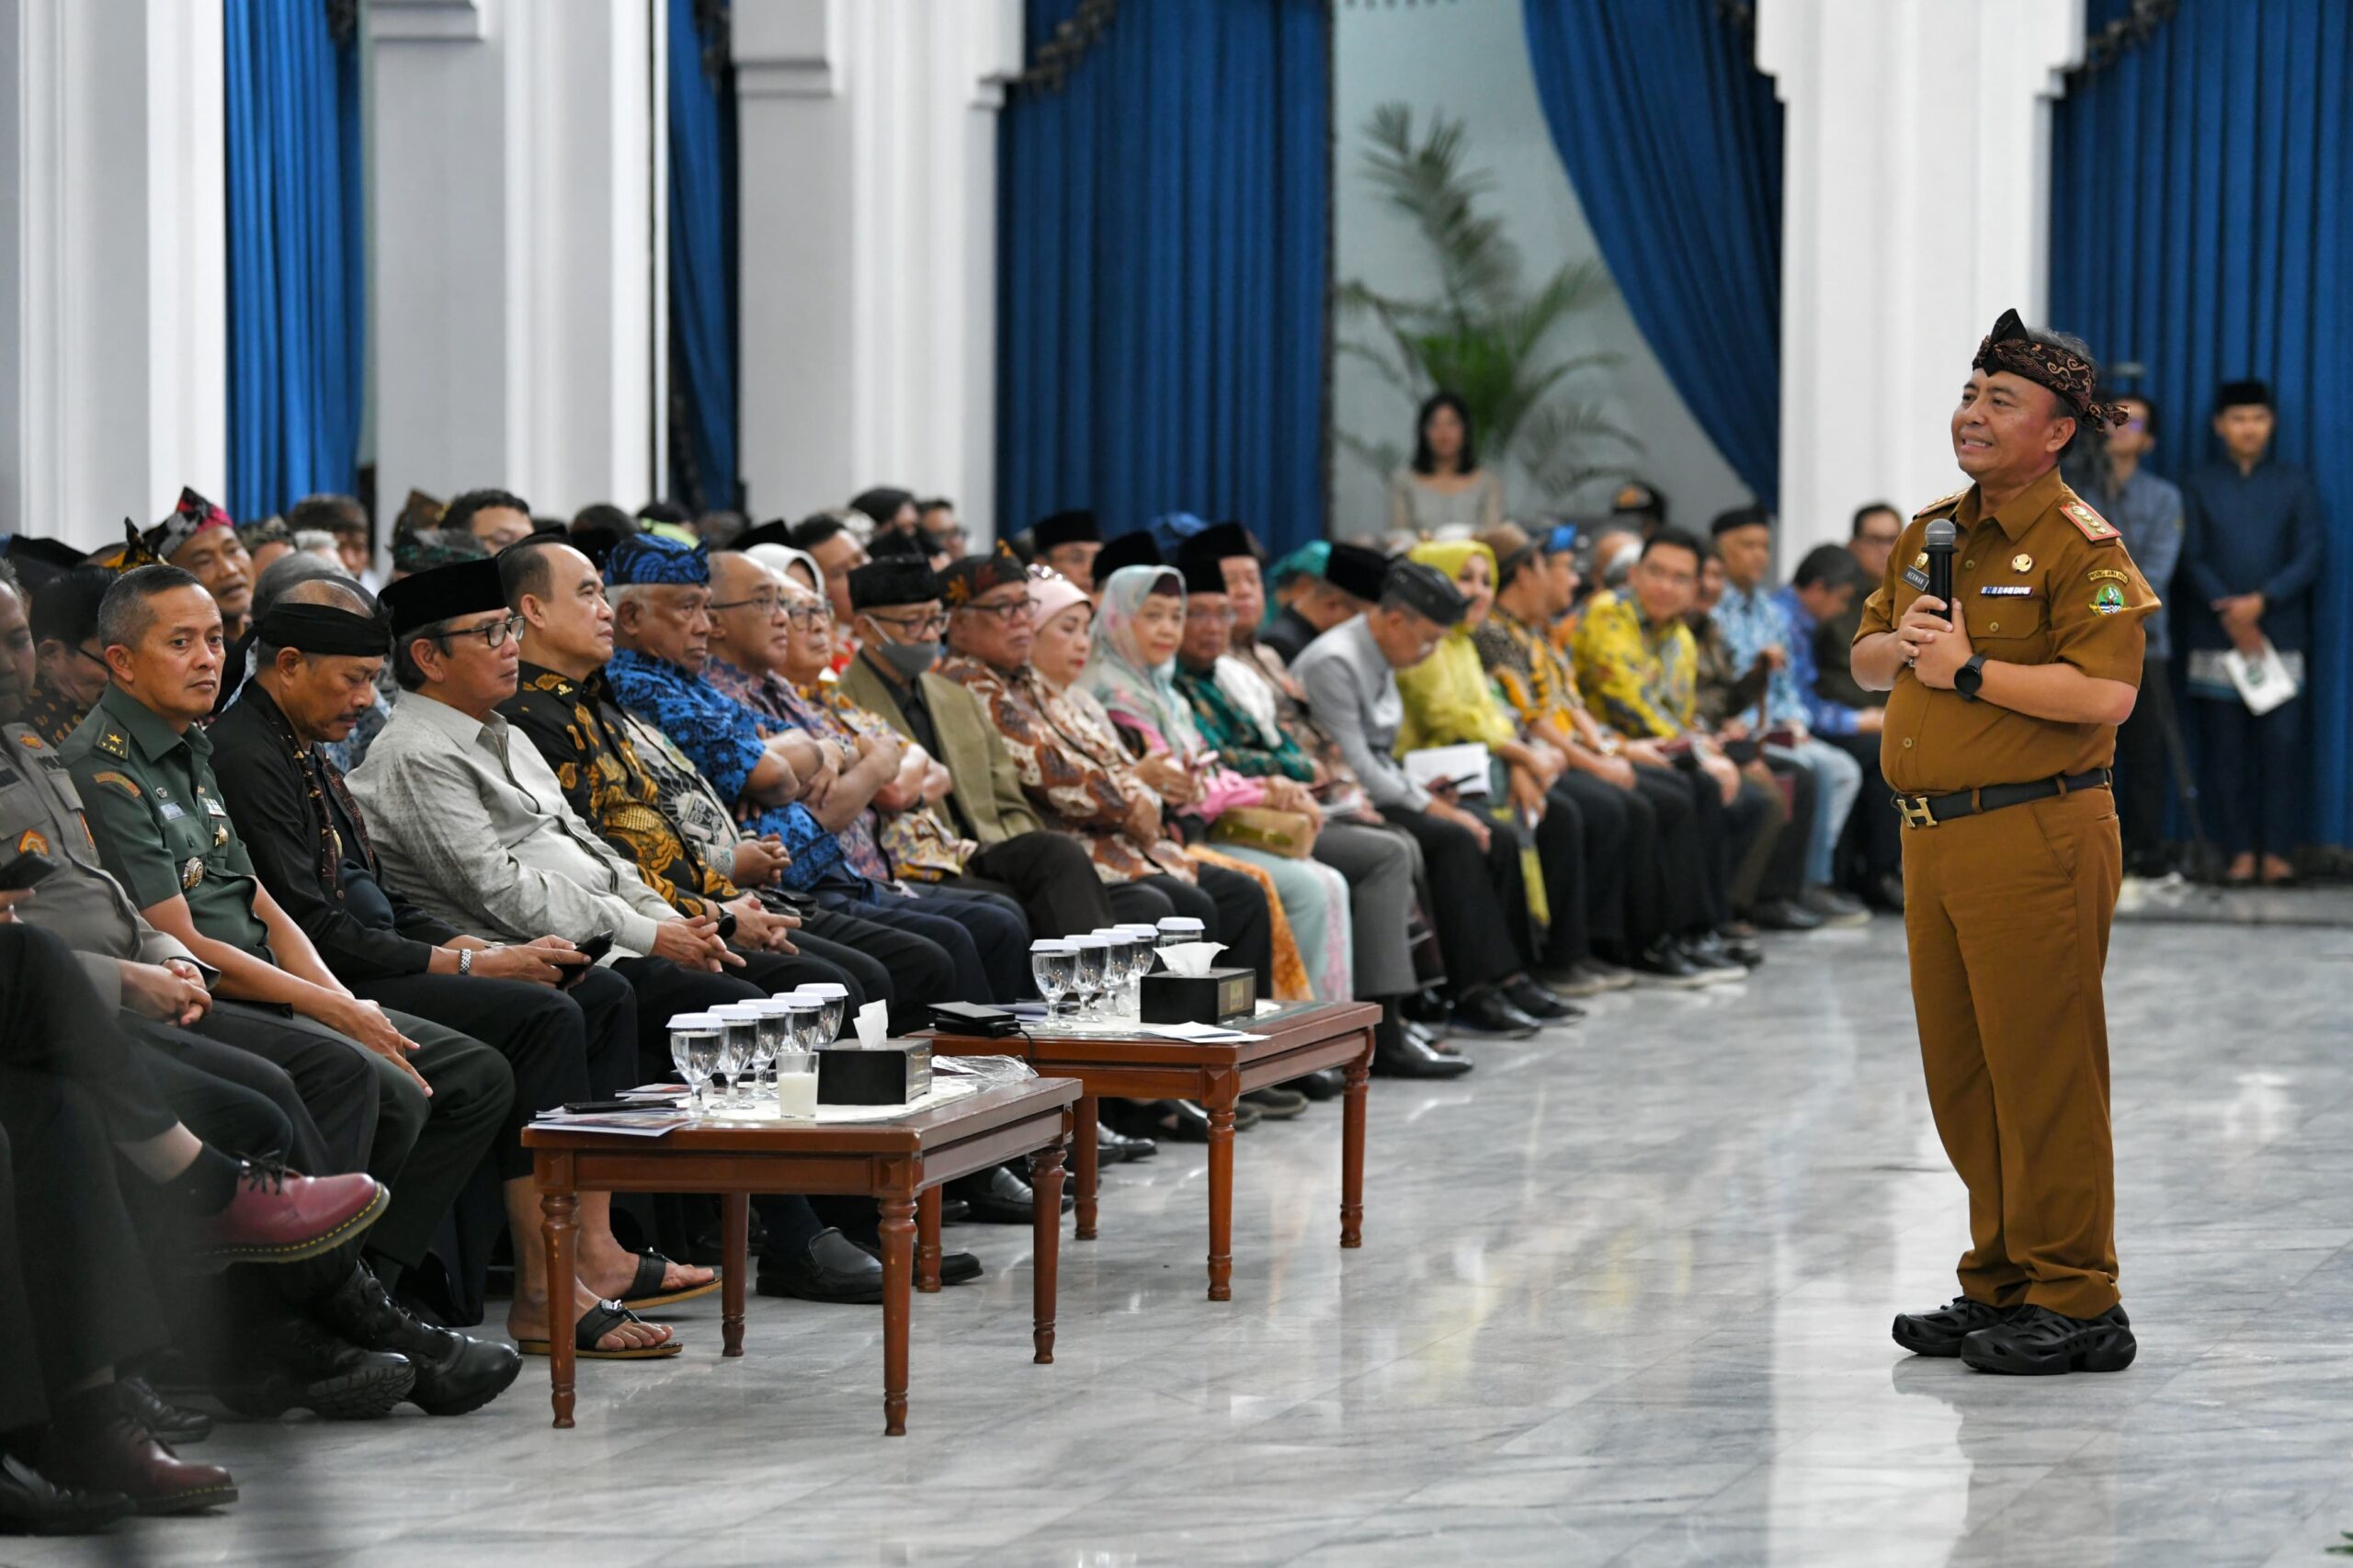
(1168, 1121)
(1664, 964)
(1490, 1012)
(1403, 1059)
(1423, 1036)
(455, 1372)
(1778, 915)
(297, 1364)
(1423, 1007)
(998, 1197)
(1111, 1147)
(171, 1422)
(2037, 1342)
(1716, 959)
(1329, 1084)
(1715, 948)
(832, 1268)
(955, 1267)
(1540, 1004)
(30, 1504)
(1940, 1332)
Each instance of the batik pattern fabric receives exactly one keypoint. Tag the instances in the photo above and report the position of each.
(1532, 676)
(1237, 737)
(1072, 769)
(725, 742)
(50, 714)
(1642, 679)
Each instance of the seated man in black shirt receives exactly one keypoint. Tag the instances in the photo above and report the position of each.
(318, 651)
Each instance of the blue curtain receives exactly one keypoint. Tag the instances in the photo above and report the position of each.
(1672, 137)
(2202, 227)
(297, 262)
(703, 269)
(1163, 252)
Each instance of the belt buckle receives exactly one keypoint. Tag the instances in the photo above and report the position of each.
(1914, 810)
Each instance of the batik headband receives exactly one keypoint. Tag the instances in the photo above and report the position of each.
(2010, 346)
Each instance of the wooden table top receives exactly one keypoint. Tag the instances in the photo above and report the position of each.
(1288, 1028)
(950, 1123)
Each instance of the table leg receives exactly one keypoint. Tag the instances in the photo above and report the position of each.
(559, 1222)
(1046, 1235)
(735, 1249)
(1083, 1142)
(1221, 1109)
(1352, 1148)
(898, 1262)
(927, 1241)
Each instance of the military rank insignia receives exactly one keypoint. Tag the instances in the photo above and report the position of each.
(2088, 523)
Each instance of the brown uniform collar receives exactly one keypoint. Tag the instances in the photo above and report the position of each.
(2016, 514)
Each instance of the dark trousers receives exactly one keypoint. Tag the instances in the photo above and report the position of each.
(235, 1101)
(74, 1292)
(1784, 876)
(1870, 849)
(2254, 770)
(953, 929)
(426, 1148)
(543, 1034)
(1000, 931)
(897, 968)
(2144, 765)
(1482, 900)
(1619, 831)
(1049, 875)
(331, 1076)
(1230, 907)
(1671, 895)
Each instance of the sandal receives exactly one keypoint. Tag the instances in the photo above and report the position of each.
(645, 1290)
(595, 1323)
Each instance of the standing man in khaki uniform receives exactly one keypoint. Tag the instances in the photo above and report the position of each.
(2001, 728)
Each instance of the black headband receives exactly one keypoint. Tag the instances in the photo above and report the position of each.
(323, 629)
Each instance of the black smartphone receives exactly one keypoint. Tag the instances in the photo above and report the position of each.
(595, 948)
(593, 1108)
(25, 870)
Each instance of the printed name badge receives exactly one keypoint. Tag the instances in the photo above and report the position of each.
(2007, 591)
(172, 812)
(1917, 578)
(214, 807)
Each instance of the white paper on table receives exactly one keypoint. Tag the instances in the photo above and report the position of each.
(2264, 681)
(1195, 1034)
(1464, 767)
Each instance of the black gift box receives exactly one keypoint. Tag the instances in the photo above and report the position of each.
(893, 1073)
(1221, 996)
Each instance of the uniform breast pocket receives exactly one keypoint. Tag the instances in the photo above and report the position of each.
(2015, 625)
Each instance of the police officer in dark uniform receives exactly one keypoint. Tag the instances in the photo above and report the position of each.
(2001, 729)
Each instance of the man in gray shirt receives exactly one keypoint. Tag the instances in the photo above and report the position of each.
(1349, 677)
(2147, 511)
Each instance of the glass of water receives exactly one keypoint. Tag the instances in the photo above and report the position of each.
(775, 1036)
(1053, 963)
(1147, 941)
(694, 1042)
(1119, 953)
(837, 999)
(1094, 963)
(742, 1044)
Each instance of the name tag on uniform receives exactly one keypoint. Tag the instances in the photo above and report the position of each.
(215, 807)
(1917, 578)
(2007, 591)
(172, 812)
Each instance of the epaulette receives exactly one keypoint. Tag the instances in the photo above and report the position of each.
(1939, 504)
(2088, 523)
(113, 741)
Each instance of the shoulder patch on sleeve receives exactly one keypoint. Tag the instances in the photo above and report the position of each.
(1940, 503)
(27, 738)
(118, 782)
(2088, 523)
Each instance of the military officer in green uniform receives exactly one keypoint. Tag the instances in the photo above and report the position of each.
(141, 763)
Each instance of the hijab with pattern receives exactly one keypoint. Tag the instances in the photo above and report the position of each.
(1116, 672)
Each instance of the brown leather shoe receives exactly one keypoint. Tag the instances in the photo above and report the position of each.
(95, 1443)
(279, 1217)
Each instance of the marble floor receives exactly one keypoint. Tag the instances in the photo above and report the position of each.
(1623, 1299)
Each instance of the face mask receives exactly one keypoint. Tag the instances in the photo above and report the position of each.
(910, 659)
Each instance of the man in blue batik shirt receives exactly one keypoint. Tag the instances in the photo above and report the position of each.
(2251, 550)
(1822, 588)
(2147, 511)
(1753, 630)
(661, 595)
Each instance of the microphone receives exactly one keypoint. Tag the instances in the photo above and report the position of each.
(1939, 545)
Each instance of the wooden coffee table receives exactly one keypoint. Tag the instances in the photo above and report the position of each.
(898, 1163)
(1295, 1040)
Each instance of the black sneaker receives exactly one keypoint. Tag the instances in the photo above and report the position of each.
(2038, 1342)
(1940, 1332)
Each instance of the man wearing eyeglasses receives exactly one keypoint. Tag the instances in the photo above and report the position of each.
(73, 668)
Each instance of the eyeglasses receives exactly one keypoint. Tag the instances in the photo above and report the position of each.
(492, 635)
(807, 616)
(911, 625)
(97, 659)
(766, 604)
(1007, 611)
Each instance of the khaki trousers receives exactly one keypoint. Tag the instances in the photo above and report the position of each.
(2007, 915)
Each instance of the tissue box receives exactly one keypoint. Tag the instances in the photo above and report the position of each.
(1219, 997)
(894, 1073)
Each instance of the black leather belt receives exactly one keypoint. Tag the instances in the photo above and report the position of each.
(1927, 810)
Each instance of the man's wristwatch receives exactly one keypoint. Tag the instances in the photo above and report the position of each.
(1970, 677)
(465, 960)
(726, 924)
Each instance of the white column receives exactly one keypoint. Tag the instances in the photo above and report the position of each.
(114, 339)
(519, 317)
(1916, 208)
(867, 147)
